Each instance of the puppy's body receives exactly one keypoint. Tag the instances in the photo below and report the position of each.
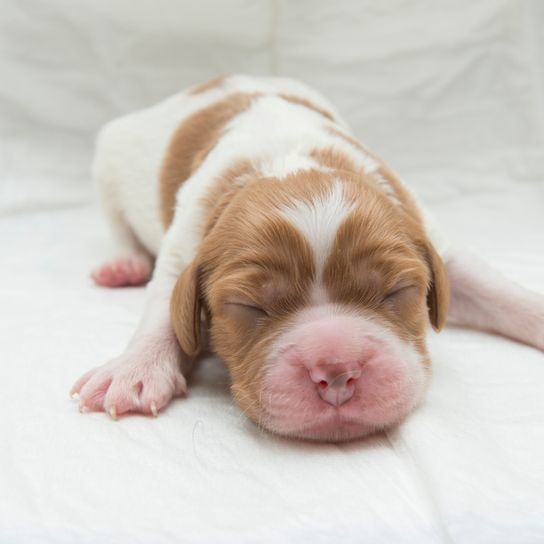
(283, 122)
(132, 150)
(309, 259)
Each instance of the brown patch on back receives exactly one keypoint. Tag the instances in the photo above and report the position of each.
(190, 145)
(207, 85)
(307, 104)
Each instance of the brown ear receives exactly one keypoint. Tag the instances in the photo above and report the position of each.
(185, 310)
(438, 293)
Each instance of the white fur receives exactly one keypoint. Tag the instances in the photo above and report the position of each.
(318, 221)
(150, 370)
(129, 155)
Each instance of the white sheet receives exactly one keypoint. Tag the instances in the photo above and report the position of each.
(450, 93)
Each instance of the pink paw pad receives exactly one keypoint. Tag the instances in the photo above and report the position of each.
(123, 272)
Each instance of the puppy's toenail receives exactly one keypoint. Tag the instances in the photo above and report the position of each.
(154, 410)
(82, 408)
(113, 412)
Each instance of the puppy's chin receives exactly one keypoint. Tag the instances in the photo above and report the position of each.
(389, 379)
(335, 429)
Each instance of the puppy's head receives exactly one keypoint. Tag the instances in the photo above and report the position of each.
(317, 293)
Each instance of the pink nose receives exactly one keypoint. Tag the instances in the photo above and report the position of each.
(335, 381)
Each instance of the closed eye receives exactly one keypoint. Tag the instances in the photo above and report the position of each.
(400, 293)
(247, 308)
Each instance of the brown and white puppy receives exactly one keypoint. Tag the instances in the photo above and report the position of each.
(305, 258)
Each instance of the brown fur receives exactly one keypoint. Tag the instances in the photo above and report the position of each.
(225, 187)
(186, 309)
(190, 145)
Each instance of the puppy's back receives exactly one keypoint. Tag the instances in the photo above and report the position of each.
(131, 150)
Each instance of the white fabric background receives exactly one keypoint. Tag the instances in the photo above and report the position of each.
(454, 84)
(450, 92)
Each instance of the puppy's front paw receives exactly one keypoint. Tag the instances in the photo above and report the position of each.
(133, 382)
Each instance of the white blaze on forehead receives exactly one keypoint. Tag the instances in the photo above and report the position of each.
(318, 221)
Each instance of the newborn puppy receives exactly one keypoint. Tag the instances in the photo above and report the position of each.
(295, 249)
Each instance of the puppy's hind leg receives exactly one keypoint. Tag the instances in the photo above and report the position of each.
(482, 298)
(131, 264)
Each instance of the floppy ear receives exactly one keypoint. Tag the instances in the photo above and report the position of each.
(185, 309)
(438, 293)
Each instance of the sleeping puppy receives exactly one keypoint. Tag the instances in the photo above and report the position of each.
(297, 251)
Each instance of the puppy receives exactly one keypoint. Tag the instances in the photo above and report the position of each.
(300, 254)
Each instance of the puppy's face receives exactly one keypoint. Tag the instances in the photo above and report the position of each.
(317, 297)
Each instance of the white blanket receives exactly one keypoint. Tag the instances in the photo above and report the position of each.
(451, 95)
